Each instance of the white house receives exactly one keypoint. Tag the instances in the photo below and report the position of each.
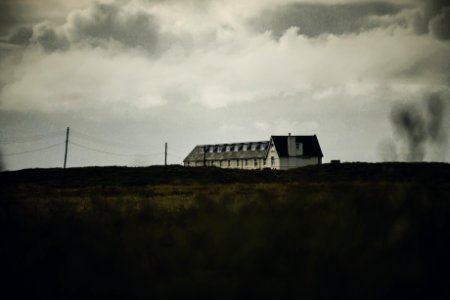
(280, 153)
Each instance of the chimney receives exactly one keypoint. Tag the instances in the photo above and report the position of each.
(291, 145)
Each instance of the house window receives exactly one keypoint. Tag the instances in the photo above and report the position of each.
(228, 148)
(246, 162)
(236, 147)
(256, 162)
(263, 146)
(244, 148)
(229, 163)
(272, 160)
(253, 147)
(219, 149)
(211, 149)
(298, 146)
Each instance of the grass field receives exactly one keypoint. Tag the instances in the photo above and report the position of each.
(355, 231)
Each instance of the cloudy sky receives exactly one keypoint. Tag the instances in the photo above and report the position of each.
(370, 79)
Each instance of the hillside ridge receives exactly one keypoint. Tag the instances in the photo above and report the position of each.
(175, 174)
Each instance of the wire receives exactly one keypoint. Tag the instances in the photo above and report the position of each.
(87, 137)
(32, 138)
(31, 151)
(175, 155)
(177, 148)
(111, 153)
(174, 152)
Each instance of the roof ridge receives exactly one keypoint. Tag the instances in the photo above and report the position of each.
(221, 144)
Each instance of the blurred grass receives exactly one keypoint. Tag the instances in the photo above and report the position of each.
(372, 231)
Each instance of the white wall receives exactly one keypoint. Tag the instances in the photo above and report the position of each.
(284, 163)
(296, 162)
(272, 153)
(241, 165)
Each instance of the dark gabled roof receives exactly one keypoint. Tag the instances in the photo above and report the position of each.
(310, 143)
(197, 154)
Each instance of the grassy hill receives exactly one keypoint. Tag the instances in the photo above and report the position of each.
(126, 176)
(354, 230)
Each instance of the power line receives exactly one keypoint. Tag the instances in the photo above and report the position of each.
(97, 140)
(30, 138)
(80, 139)
(112, 153)
(86, 137)
(176, 147)
(31, 151)
(182, 149)
(177, 153)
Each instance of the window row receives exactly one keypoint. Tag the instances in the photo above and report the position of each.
(256, 162)
(235, 147)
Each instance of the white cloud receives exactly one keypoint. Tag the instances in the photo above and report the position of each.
(241, 67)
(80, 80)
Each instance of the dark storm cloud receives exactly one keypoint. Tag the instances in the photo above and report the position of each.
(420, 126)
(8, 16)
(440, 25)
(46, 35)
(20, 36)
(97, 25)
(108, 21)
(20, 13)
(315, 19)
(434, 17)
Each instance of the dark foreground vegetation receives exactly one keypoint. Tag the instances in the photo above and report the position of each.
(354, 231)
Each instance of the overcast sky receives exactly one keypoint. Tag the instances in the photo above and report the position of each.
(370, 79)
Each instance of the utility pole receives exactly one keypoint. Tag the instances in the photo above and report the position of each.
(165, 154)
(67, 146)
